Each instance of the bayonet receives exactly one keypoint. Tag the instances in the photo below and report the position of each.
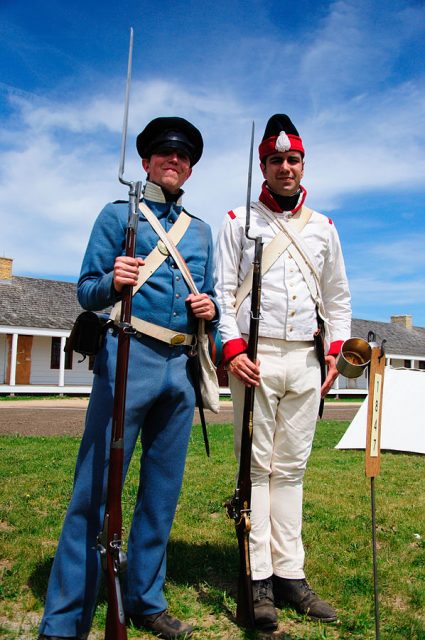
(248, 190)
(125, 118)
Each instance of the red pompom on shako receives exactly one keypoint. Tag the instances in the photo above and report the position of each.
(280, 135)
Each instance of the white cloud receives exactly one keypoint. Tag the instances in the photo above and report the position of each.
(69, 179)
(361, 120)
(393, 258)
(66, 173)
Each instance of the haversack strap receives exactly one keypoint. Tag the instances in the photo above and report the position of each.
(157, 256)
(275, 248)
(303, 259)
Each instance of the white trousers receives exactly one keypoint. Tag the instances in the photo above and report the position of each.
(285, 414)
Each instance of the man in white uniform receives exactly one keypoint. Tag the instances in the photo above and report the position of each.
(305, 282)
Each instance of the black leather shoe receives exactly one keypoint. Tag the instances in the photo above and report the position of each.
(299, 595)
(164, 625)
(264, 611)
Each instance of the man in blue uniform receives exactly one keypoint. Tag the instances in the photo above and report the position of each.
(160, 395)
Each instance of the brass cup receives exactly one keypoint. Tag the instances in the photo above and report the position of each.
(354, 357)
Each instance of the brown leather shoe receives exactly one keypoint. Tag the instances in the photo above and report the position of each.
(264, 610)
(299, 594)
(164, 625)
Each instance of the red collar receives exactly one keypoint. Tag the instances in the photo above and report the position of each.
(267, 199)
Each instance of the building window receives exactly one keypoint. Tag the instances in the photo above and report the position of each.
(421, 364)
(407, 364)
(91, 362)
(55, 355)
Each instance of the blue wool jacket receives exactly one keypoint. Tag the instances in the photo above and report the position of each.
(161, 299)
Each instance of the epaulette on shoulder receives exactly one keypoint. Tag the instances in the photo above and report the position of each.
(232, 214)
(120, 202)
(325, 218)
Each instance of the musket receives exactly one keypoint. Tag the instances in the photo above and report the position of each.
(239, 507)
(113, 557)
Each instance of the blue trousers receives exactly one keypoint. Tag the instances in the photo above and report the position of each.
(159, 407)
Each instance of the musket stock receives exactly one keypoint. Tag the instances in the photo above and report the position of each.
(114, 560)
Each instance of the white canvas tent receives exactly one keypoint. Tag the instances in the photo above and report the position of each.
(403, 414)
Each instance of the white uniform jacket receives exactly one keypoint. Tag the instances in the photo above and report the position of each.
(287, 308)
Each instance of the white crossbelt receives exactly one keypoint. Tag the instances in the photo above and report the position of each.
(174, 252)
(303, 259)
(152, 262)
(275, 248)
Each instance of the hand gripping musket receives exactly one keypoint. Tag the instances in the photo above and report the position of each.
(239, 507)
(110, 538)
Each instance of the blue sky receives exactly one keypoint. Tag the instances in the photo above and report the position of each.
(350, 73)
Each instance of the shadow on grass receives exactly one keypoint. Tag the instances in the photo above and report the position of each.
(211, 570)
(38, 579)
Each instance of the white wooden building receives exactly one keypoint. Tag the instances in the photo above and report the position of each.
(36, 316)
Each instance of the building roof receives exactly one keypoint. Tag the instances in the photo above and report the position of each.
(399, 339)
(40, 303)
(52, 304)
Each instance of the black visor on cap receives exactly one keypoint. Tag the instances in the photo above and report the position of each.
(172, 140)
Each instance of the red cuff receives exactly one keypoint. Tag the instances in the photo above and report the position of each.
(335, 347)
(233, 348)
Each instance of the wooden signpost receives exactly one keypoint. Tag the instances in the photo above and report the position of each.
(373, 446)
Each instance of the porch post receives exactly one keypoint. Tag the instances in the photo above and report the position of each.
(62, 363)
(13, 358)
(336, 388)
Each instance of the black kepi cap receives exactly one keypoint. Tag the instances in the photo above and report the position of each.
(170, 133)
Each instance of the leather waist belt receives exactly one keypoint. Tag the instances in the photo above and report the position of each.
(163, 334)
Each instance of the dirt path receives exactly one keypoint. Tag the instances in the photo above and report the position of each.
(66, 416)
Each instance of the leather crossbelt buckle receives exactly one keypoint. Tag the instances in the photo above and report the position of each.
(177, 339)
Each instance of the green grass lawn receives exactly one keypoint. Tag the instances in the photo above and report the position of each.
(36, 479)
